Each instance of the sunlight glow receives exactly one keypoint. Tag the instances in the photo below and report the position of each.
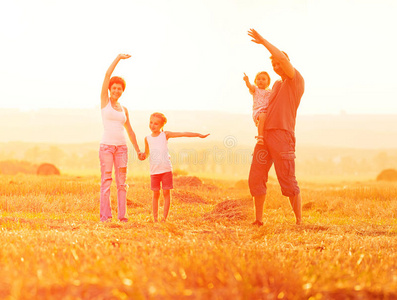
(192, 54)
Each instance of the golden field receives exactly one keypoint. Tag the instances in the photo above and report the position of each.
(54, 247)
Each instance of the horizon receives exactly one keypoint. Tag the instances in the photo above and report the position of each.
(65, 126)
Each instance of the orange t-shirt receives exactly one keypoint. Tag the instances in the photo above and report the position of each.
(283, 103)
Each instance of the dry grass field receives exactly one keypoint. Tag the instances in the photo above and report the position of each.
(54, 247)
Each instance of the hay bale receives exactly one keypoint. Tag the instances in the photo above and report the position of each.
(48, 169)
(229, 209)
(191, 181)
(387, 175)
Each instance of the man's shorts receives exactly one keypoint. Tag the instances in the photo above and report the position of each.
(165, 179)
(279, 149)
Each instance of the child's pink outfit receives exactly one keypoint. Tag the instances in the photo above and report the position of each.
(260, 102)
(113, 151)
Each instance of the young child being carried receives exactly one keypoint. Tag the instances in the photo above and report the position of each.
(156, 145)
(260, 93)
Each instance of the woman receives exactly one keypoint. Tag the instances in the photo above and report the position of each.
(113, 148)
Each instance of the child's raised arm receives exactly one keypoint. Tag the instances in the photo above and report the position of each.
(170, 134)
(249, 85)
(105, 84)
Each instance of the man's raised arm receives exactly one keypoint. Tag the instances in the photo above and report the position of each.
(277, 55)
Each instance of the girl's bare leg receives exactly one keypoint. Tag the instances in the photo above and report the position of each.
(167, 202)
(155, 205)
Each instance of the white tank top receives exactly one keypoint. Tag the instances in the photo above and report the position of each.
(159, 156)
(113, 126)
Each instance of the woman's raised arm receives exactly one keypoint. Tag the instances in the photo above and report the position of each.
(105, 85)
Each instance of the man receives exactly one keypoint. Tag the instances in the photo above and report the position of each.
(279, 139)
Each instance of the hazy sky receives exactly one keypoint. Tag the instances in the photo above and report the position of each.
(191, 54)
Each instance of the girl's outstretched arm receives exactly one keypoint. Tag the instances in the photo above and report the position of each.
(248, 84)
(170, 134)
(105, 84)
(275, 52)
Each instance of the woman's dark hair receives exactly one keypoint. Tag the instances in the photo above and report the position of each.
(117, 80)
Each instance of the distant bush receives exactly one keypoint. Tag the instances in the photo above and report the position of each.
(387, 175)
(12, 167)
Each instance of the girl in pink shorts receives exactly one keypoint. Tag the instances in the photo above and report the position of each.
(156, 145)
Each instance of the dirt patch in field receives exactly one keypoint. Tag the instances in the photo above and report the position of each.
(309, 205)
(184, 181)
(187, 197)
(242, 185)
(133, 204)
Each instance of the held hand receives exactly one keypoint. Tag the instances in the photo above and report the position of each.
(203, 135)
(256, 37)
(141, 156)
